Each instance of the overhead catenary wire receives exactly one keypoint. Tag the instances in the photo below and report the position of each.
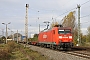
(85, 16)
(68, 10)
(72, 9)
(65, 12)
(85, 2)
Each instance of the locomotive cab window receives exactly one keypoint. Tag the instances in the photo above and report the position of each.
(64, 31)
(60, 31)
(67, 31)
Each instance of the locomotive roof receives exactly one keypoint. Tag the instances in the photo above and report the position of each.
(64, 27)
(55, 27)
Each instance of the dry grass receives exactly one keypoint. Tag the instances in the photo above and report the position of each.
(14, 51)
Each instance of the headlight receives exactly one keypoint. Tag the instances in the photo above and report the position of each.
(60, 36)
(70, 36)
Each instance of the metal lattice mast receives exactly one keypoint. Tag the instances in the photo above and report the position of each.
(26, 23)
(79, 38)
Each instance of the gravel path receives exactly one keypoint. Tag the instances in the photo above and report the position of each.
(55, 55)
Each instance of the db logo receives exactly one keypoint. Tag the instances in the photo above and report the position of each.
(44, 36)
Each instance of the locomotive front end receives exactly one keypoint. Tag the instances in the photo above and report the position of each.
(65, 38)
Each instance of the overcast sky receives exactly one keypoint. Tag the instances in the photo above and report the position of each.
(14, 11)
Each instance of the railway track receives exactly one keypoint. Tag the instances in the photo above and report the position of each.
(80, 52)
(83, 54)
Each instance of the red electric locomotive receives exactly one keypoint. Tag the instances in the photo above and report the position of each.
(57, 37)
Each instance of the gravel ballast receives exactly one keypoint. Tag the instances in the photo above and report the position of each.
(56, 55)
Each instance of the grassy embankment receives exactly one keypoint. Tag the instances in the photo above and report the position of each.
(14, 51)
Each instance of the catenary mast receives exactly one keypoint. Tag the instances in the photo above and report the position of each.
(26, 23)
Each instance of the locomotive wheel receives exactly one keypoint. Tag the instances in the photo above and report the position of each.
(65, 49)
(45, 45)
(57, 47)
(52, 46)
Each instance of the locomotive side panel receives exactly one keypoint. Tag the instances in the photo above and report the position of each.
(55, 36)
(40, 37)
(49, 37)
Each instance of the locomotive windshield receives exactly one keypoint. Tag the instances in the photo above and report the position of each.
(64, 31)
(67, 31)
(61, 31)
